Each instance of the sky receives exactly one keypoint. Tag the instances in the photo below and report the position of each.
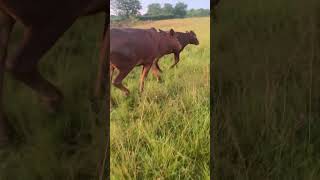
(192, 4)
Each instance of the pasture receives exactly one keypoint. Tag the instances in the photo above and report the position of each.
(267, 90)
(164, 132)
(69, 144)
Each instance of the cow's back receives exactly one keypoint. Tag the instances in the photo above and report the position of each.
(134, 43)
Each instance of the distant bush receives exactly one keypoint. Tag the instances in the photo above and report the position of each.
(157, 17)
(116, 18)
(152, 17)
(198, 12)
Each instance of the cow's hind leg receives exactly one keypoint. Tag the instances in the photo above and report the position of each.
(111, 75)
(155, 72)
(144, 73)
(23, 65)
(6, 24)
(156, 64)
(118, 80)
(111, 72)
(124, 66)
(158, 67)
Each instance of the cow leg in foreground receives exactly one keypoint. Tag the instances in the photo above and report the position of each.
(144, 73)
(23, 65)
(6, 24)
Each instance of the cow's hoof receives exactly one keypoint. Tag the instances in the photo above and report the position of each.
(160, 80)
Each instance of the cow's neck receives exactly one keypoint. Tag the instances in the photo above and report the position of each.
(183, 40)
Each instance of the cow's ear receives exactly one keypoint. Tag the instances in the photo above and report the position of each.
(193, 32)
(171, 32)
(160, 30)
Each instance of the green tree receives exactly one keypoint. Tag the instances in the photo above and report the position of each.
(154, 9)
(198, 12)
(191, 12)
(127, 8)
(180, 10)
(168, 9)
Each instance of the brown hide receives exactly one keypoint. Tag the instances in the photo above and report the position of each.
(131, 47)
(184, 39)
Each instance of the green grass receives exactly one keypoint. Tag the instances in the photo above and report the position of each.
(164, 133)
(267, 90)
(69, 144)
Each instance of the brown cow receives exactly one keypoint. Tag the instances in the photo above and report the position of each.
(132, 47)
(184, 39)
(44, 22)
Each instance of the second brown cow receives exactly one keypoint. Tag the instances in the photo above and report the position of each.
(184, 39)
(133, 47)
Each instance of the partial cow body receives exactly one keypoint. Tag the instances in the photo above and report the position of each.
(133, 47)
(44, 22)
(184, 39)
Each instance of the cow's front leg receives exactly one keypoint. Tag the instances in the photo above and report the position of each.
(176, 59)
(144, 73)
(23, 64)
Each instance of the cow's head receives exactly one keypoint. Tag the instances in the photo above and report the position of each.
(192, 37)
(170, 38)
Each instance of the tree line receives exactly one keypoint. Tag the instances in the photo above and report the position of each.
(125, 9)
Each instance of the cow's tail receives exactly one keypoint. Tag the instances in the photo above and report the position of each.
(102, 77)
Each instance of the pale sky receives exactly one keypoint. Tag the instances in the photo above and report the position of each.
(192, 4)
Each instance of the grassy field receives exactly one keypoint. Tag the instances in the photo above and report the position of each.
(267, 90)
(164, 133)
(69, 144)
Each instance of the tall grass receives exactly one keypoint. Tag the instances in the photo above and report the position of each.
(266, 88)
(69, 144)
(164, 132)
